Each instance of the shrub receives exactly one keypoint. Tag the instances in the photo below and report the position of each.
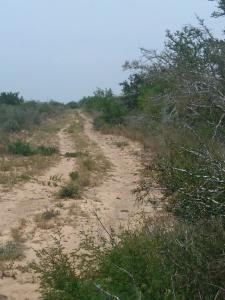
(49, 214)
(20, 148)
(74, 175)
(11, 251)
(23, 148)
(68, 191)
(89, 164)
(113, 112)
(167, 261)
(46, 151)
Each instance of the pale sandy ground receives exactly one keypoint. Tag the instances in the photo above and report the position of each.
(113, 202)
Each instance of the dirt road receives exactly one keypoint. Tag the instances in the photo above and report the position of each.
(113, 202)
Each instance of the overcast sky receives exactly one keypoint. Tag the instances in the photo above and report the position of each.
(64, 49)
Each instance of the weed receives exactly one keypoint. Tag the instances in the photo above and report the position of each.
(20, 148)
(11, 251)
(121, 144)
(49, 214)
(46, 151)
(72, 154)
(74, 175)
(68, 191)
(23, 148)
(43, 219)
(89, 164)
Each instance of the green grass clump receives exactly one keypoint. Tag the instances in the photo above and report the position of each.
(68, 191)
(46, 151)
(23, 148)
(11, 251)
(20, 148)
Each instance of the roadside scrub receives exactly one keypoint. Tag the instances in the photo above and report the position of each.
(163, 260)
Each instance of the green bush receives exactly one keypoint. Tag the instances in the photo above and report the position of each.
(23, 148)
(168, 261)
(46, 151)
(17, 114)
(20, 148)
(68, 191)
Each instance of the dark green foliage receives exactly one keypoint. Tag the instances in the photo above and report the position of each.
(72, 105)
(69, 191)
(110, 109)
(11, 99)
(131, 90)
(113, 112)
(59, 277)
(23, 148)
(172, 261)
(20, 148)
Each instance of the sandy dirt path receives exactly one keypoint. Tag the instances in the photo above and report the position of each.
(113, 201)
(23, 202)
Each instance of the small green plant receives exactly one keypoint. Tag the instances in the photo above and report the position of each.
(73, 154)
(23, 148)
(68, 191)
(11, 251)
(74, 175)
(45, 151)
(49, 214)
(20, 148)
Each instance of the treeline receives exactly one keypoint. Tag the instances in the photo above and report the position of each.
(176, 101)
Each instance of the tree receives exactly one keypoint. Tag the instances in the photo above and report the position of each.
(11, 98)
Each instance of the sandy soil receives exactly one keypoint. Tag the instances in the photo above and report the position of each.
(113, 202)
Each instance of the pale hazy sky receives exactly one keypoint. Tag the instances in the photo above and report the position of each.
(64, 49)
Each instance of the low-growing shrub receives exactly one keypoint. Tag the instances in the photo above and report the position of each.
(69, 191)
(74, 175)
(89, 164)
(11, 251)
(20, 148)
(49, 214)
(168, 261)
(23, 148)
(73, 154)
(45, 151)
